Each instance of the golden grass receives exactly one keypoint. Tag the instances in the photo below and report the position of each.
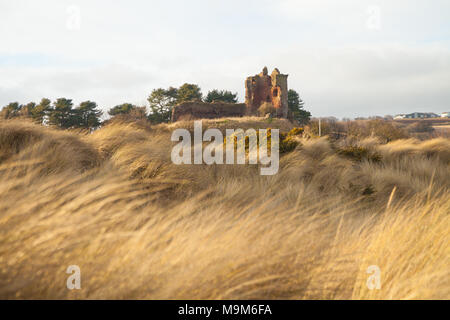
(140, 227)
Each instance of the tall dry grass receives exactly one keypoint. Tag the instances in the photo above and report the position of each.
(140, 227)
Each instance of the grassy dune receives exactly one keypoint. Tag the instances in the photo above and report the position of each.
(138, 226)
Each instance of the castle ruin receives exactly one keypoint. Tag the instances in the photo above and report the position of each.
(263, 88)
(259, 89)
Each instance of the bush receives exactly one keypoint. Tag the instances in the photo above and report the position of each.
(287, 140)
(386, 131)
(358, 153)
(296, 132)
(287, 144)
(420, 127)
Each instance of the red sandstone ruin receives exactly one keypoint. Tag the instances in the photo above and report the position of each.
(263, 88)
(259, 89)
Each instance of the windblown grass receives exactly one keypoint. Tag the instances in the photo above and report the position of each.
(140, 227)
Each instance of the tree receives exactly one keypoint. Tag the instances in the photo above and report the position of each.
(27, 109)
(62, 115)
(161, 103)
(223, 95)
(14, 109)
(188, 92)
(295, 105)
(163, 100)
(123, 108)
(128, 111)
(11, 110)
(138, 113)
(40, 111)
(88, 115)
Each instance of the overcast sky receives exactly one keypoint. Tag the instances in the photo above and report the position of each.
(346, 58)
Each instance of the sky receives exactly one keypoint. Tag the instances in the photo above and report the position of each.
(346, 58)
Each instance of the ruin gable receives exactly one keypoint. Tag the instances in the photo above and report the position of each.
(263, 88)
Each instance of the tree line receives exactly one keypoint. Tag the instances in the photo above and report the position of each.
(63, 114)
(60, 113)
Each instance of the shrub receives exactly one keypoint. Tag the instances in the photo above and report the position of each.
(386, 130)
(296, 131)
(287, 140)
(421, 127)
(287, 144)
(358, 153)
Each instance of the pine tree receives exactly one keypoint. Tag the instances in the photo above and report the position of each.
(296, 108)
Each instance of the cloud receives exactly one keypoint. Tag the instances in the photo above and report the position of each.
(123, 50)
(107, 85)
(375, 80)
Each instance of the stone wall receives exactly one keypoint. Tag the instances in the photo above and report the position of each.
(203, 110)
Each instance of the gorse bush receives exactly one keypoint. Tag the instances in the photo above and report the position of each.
(296, 132)
(287, 141)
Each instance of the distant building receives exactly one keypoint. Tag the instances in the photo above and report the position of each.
(445, 115)
(417, 115)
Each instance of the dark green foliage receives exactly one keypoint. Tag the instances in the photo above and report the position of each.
(11, 110)
(27, 109)
(40, 111)
(222, 96)
(358, 153)
(87, 115)
(128, 112)
(161, 103)
(62, 114)
(189, 92)
(163, 100)
(123, 108)
(296, 110)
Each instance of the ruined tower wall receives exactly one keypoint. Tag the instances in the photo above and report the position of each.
(257, 91)
(264, 88)
(280, 93)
